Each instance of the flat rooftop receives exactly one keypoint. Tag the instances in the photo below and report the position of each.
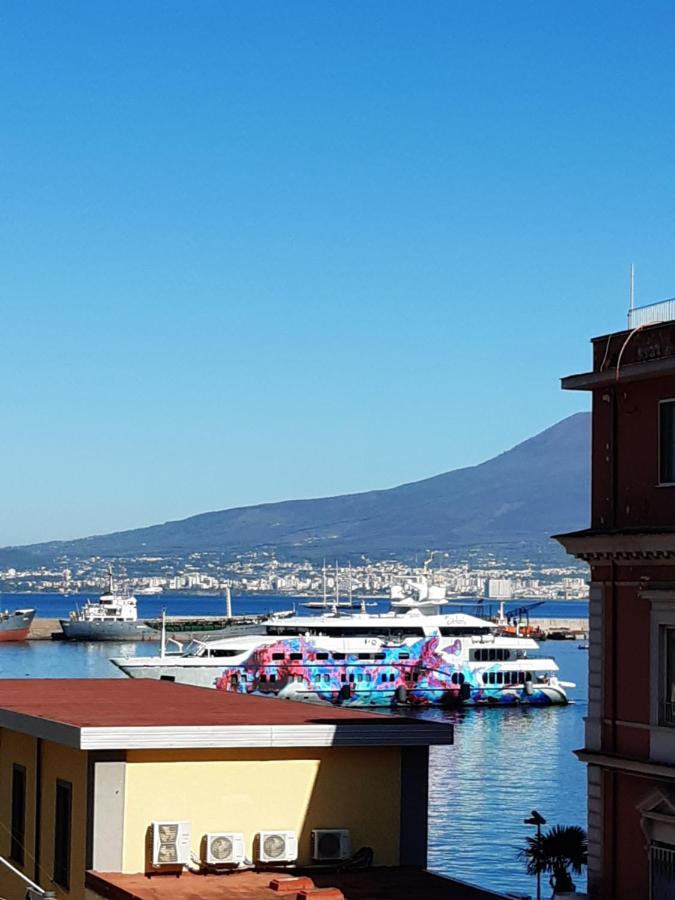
(114, 713)
(396, 883)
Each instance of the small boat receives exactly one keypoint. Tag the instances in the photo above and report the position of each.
(113, 617)
(583, 646)
(14, 626)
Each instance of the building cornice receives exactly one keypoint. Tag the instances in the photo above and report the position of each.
(624, 764)
(589, 381)
(622, 547)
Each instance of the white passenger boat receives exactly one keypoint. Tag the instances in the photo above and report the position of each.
(411, 654)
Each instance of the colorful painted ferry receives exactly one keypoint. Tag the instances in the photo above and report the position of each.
(410, 655)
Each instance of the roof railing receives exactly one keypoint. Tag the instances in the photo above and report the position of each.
(664, 311)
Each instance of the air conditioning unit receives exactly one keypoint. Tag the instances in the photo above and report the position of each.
(171, 843)
(277, 846)
(224, 848)
(331, 843)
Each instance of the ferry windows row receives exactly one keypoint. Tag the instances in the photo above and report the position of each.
(360, 676)
(318, 657)
(463, 630)
(491, 654)
(506, 677)
(345, 631)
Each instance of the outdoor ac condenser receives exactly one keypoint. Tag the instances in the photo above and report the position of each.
(277, 846)
(171, 843)
(224, 848)
(331, 843)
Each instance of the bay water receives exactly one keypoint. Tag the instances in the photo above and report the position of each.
(504, 762)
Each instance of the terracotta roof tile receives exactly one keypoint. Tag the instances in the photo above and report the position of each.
(396, 883)
(117, 702)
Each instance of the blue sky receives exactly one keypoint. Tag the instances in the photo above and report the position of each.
(258, 250)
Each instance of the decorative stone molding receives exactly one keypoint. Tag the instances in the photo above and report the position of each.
(621, 547)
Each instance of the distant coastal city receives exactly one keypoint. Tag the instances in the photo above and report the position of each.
(484, 575)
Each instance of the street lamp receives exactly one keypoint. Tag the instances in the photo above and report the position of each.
(538, 820)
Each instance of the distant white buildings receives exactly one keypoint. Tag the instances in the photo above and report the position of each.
(498, 589)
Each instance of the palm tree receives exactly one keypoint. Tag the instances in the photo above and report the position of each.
(557, 850)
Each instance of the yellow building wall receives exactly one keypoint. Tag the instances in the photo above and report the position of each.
(19, 749)
(64, 763)
(254, 790)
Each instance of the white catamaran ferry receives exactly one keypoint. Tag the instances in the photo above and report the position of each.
(411, 655)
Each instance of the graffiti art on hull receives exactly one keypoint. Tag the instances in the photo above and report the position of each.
(419, 673)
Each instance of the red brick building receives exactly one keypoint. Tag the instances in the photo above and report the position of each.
(630, 546)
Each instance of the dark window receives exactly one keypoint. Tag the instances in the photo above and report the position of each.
(379, 655)
(667, 442)
(338, 656)
(460, 678)
(18, 814)
(459, 630)
(416, 676)
(227, 653)
(364, 656)
(278, 656)
(454, 678)
(383, 676)
(404, 656)
(263, 678)
(668, 676)
(661, 870)
(351, 679)
(62, 823)
(296, 655)
(492, 654)
(167, 677)
(392, 678)
(322, 656)
(273, 677)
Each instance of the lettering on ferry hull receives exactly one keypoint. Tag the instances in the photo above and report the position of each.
(417, 673)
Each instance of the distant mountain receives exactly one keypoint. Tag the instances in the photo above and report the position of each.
(523, 495)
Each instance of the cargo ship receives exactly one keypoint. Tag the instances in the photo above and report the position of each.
(14, 626)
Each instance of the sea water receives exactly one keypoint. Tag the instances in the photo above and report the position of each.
(504, 762)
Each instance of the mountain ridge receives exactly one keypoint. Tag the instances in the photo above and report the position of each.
(524, 494)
